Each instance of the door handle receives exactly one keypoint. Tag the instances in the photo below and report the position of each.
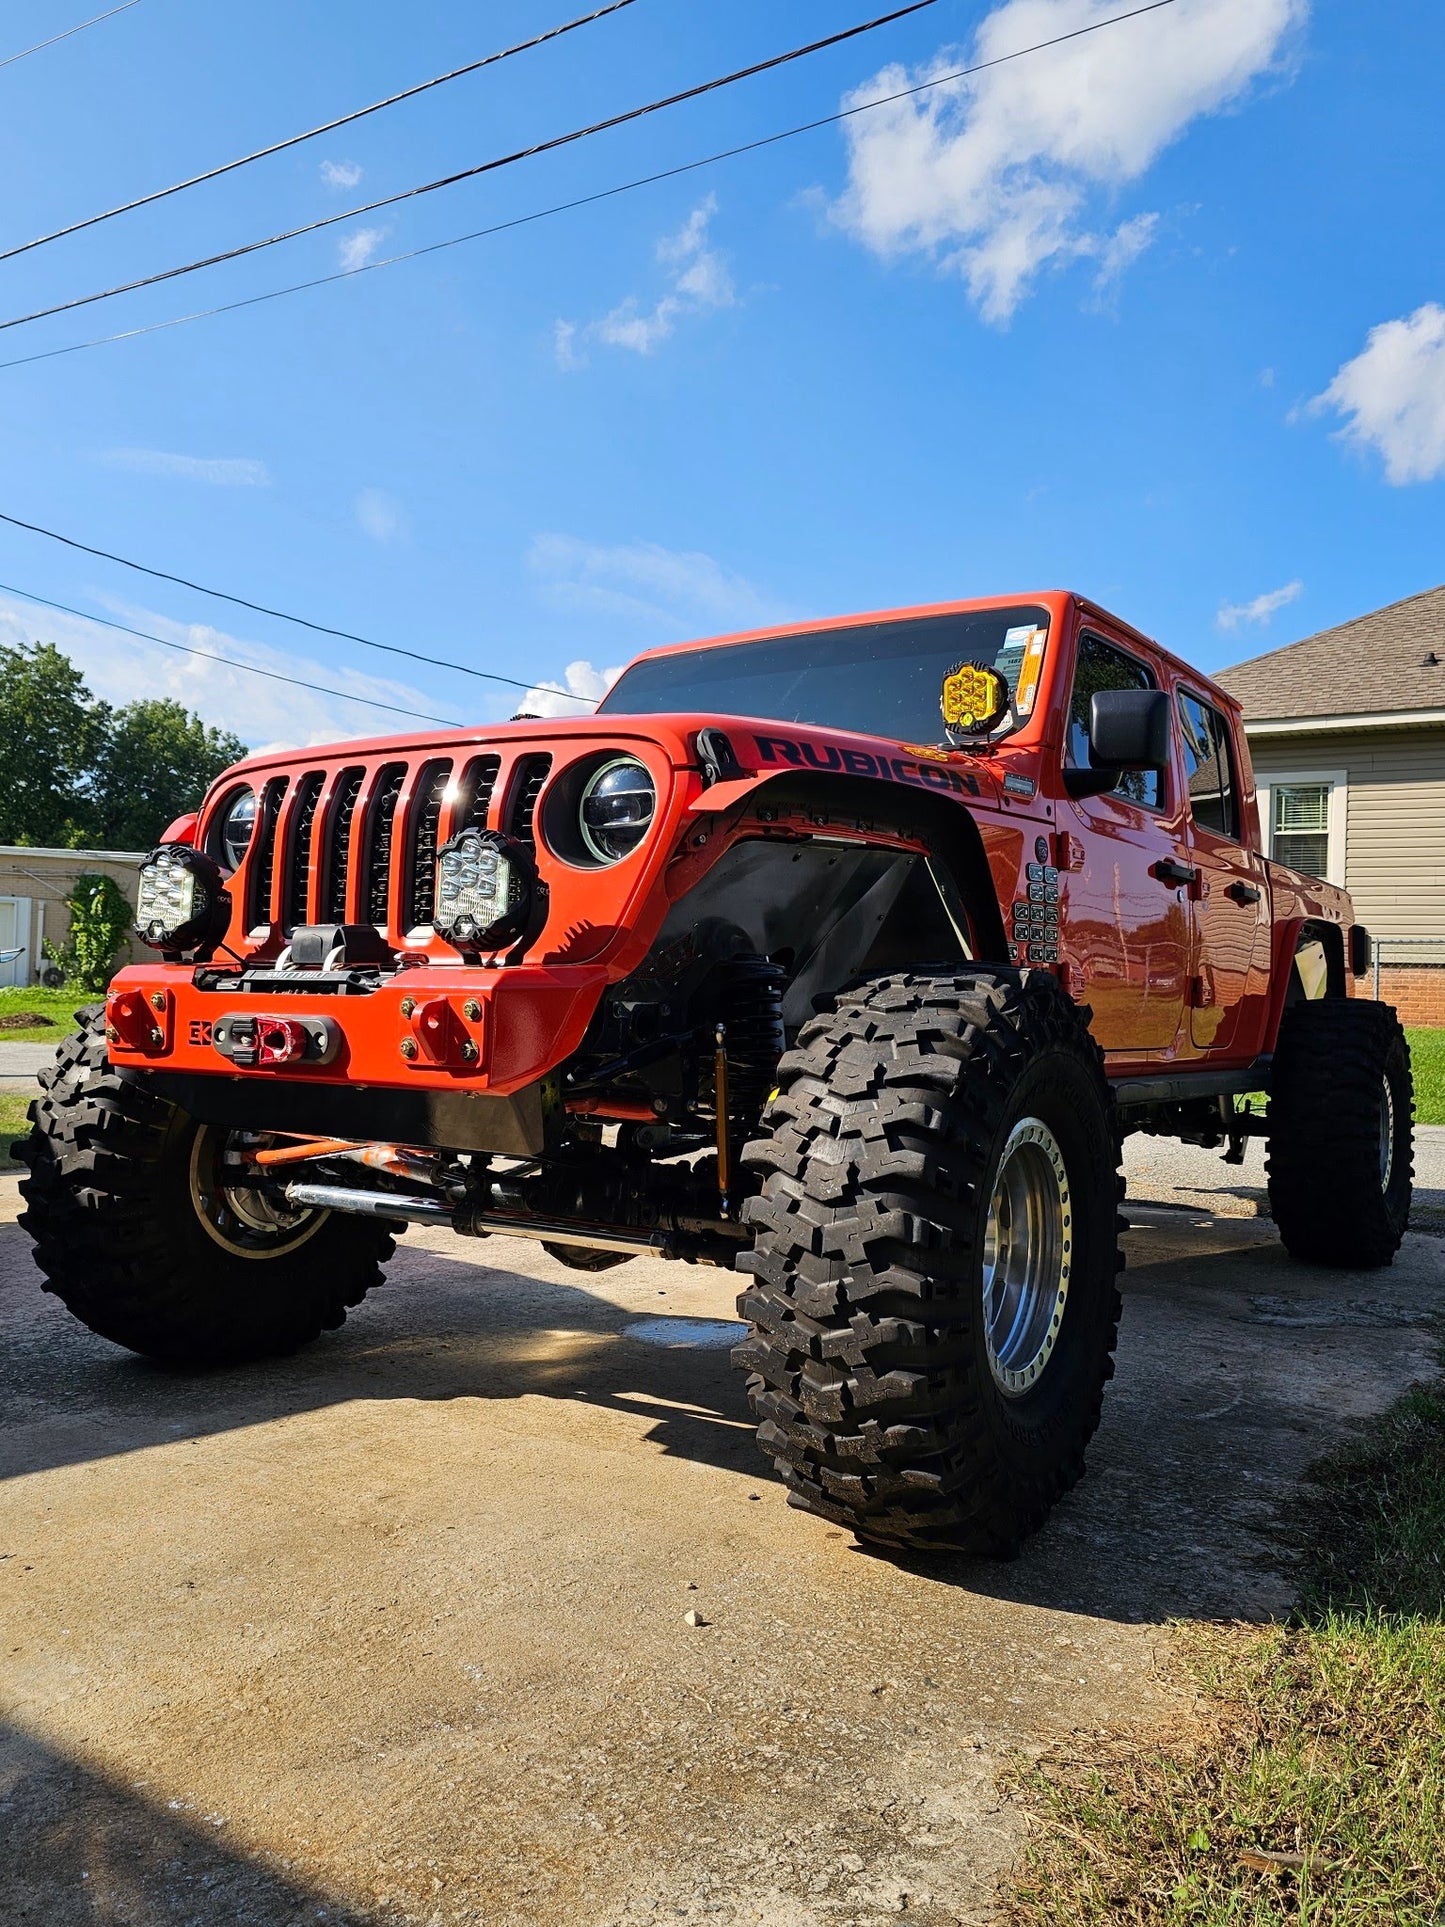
(1242, 893)
(1170, 871)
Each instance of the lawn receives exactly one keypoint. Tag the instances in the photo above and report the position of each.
(59, 1006)
(1315, 1791)
(1427, 1053)
(13, 1124)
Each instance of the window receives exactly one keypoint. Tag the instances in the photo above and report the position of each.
(1300, 826)
(1209, 766)
(1101, 666)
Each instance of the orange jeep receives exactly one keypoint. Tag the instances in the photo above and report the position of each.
(844, 954)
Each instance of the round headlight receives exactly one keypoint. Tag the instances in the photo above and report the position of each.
(180, 901)
(616, 809)
(236, 828)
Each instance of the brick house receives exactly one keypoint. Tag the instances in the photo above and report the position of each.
(34, 885)
(1347, 734)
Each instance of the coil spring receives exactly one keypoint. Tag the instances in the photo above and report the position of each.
(750, 1004)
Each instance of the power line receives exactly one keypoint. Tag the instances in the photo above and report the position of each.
(55, 38)
(260, 608)
(584, 200)
(484, 167)
(295, 140)
(210, 655)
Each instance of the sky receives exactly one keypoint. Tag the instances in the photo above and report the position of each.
(1158, 314)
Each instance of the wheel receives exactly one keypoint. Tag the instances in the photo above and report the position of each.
(1341, 1133)
(143, 1232)
(584, 1258)
(934, 1300)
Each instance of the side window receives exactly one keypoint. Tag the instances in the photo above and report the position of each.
(1209, 767)
(1102, 666)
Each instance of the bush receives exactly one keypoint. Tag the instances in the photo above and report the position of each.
(100, 919)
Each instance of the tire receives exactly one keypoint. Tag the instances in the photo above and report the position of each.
(111, 1204)
(878, 1393)
(1340, 1093)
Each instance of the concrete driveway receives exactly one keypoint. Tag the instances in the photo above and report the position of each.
(394, 1631)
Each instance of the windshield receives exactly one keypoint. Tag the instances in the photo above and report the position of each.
(878, 678)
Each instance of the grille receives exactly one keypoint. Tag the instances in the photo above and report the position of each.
(426, 820)
(338, 845)
(474, 793)
(378, 856)
(263, 861)
(530, 775)
(298, 869)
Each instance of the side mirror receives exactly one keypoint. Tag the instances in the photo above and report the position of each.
(1128, 729)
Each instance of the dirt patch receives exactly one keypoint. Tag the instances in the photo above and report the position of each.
(26, 1020)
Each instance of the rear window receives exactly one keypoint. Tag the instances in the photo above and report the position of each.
(879, 678)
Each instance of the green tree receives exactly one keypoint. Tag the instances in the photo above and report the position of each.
(50, 732)
(155, 761)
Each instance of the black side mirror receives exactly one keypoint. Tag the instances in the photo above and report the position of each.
(1128, 729)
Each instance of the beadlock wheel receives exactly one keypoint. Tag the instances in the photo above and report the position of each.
(1027, 1256)
(242, 1218)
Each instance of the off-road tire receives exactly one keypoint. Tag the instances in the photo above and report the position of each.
(870, 1372)
(118, 1236)
(1333, 1062)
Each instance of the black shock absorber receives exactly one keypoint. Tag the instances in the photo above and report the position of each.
(750, 1010)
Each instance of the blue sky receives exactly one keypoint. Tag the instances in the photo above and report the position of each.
(1157, 316)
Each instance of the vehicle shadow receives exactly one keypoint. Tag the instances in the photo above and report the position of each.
(1237, 1368)
(84, 1851)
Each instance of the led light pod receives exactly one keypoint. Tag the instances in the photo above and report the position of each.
(485, 884)
(180, 899)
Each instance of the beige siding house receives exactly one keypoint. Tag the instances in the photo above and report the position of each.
(1347, 733)
(34, 884)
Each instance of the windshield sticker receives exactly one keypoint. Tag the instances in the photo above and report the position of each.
(801, 754)
(973, 697)
(1030, 643)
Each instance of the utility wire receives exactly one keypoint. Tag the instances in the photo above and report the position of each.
(261, 609)
(41, 45)
(585, 200)
(209, 655)
(484, 167)
(327, 127)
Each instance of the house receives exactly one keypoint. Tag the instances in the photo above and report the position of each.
(34, 885)
(1347, 734)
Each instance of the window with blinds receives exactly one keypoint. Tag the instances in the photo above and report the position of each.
(1300, 827)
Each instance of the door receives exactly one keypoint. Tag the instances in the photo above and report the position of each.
(1230, 966)
(15, 936)
(1126, 915)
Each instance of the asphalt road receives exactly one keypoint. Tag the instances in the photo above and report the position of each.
(395, 1630)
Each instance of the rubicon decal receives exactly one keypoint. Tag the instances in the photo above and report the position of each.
(799, 753)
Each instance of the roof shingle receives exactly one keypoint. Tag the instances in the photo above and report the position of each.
(1375, 664)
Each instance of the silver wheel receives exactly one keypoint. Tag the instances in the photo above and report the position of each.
(1027, 1256)
(243, 1218)
(1387, 1134)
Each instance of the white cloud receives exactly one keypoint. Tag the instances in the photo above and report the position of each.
(993, 177)
(1120, 250)
(1393, 396)
(217, 472)
(379, 515)
(1240, 615)
(355, 250)
(266, 715)
(641, 581)
(341, 173)
(549, 698)
(698, 283)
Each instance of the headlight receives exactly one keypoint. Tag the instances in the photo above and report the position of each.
(236, 827)
(484, 890)
(616, 809)
(180, 899)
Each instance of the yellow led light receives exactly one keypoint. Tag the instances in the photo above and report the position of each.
(973, 697)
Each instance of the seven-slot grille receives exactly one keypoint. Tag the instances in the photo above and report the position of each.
(359, 843)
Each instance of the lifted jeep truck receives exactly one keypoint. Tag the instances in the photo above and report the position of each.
(758, 966)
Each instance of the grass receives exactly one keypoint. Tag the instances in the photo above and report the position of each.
(13, 1124)
(59, 1006)
(1427, 1054)
(1314, 1790)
